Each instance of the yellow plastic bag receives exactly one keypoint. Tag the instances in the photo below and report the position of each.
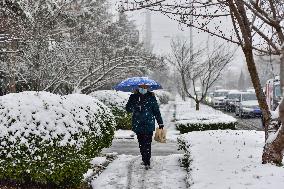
(160, 135)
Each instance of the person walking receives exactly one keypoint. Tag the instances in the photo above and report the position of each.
(145, 109)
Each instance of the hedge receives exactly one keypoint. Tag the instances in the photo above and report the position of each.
(48, 140)
(185, 127)
(163, 96)
(116, 101)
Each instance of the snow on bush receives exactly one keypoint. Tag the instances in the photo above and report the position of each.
(116, 101)
(49, 139)
(207, 118)
(112, 98)
(163, 96)
(228, 159)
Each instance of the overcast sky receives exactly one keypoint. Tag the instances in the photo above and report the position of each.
(163, 29)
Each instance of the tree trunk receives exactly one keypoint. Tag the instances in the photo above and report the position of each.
(184, 86)
(183, 94)
(239, 11)
(282, 71)
(258, 89)
(197, 105)
(273, 150)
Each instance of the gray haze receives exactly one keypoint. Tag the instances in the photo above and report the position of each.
(163, 29)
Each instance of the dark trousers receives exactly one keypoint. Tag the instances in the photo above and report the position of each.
(145, 147)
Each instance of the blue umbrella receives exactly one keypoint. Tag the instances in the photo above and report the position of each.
(132, 83)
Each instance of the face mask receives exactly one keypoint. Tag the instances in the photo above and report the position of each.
(142, 91)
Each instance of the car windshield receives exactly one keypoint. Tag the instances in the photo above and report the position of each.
(218, 94)
(234, 96)
(277, 91)
(246, 97)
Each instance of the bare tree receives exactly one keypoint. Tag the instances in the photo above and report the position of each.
(198, 69)
(268, 67)
(256, 27)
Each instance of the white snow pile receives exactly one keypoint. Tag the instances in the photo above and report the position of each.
(112, 98)
(163, 96)
(124, 134)
(185, 113)
(40, 127)
(98, 164)
(186, 116)
(98, 161)
(229, 159)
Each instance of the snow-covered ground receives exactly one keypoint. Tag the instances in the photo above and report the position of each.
(186, 113)
(126, 172)
(221, 159)
(230, 159)
(124, 134)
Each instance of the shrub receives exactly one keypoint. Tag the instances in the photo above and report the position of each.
(186, 126)
(163, 96)
(116, 101)
(48, 139)
(187, 159)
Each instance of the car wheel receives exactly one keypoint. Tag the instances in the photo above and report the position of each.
(241, 114)
(236, 112)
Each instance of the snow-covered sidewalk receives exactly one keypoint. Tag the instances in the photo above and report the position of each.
(125, 141)
(126, 172)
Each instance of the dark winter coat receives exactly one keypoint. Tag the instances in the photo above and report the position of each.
(145, 109)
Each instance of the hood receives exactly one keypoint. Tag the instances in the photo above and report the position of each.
(232, 99)
(219, 98)
(250, 103)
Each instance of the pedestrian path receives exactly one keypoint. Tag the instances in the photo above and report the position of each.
(126, 172)
(130, 146)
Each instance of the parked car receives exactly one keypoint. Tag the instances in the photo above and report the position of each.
(231, 100)
(209, 98)
(248, 106)
(251, 90)
(219, 96)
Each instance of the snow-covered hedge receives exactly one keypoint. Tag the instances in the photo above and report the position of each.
(207, 118)
(217, 123)
(163, 96)
(49, 139)
(116, 101)
(112, 98)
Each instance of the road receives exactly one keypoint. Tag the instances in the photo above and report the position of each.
(247, 123)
